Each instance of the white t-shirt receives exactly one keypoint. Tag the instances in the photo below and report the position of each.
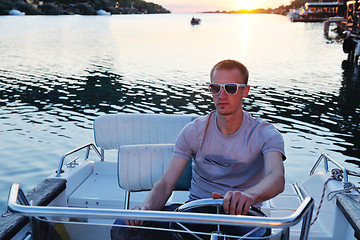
(226, 162)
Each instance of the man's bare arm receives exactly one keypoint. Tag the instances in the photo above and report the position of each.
(163, 188)
(239, 202)
(274, 181)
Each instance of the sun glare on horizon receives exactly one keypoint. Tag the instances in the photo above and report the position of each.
(215, 5)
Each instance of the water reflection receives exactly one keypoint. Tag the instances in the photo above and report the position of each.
(100, 91)
(103, 91)
(349, 108)
(322, 114)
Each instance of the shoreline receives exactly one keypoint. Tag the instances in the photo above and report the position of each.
(61, 7)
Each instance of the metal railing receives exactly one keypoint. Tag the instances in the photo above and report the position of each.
(303, 212)
(326, 159)
(88, 148)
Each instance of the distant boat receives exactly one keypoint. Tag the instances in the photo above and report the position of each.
(195, 21)
(103, 12)
(294, 14)
(16, 12)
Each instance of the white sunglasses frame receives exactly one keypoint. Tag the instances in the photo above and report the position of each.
(223, 86)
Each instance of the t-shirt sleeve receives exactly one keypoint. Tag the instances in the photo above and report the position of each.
(184, 142)
(274, 142)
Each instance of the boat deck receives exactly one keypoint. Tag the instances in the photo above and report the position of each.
(101, 190)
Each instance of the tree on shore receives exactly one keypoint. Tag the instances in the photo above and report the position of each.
(23, 6)
(299, 3)
(284, 9)
(85, 7)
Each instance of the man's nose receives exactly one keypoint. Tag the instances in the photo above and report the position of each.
(222, 93)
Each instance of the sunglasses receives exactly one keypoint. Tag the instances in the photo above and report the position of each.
(230, 88)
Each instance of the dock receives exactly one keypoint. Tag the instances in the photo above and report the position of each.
(349, 206)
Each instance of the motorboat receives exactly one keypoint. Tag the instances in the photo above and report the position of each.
(294, 14)
(100, 182)
(195, 21)
(16, 12)
(103, 12)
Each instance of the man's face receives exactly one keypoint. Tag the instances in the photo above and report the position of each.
(228, 104)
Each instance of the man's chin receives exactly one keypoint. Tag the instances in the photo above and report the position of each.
(223, 112)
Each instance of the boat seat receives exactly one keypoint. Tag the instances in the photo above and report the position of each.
(111, 131)
(141, 166)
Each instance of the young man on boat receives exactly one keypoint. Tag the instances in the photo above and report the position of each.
(236, 157)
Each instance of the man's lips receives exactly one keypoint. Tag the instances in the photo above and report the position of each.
(222, 104)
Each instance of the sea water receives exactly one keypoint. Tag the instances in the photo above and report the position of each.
(58, 73)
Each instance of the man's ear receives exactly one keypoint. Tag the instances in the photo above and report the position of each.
(246, 91)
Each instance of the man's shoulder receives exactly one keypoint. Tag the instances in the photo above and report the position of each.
(259, 124)
(266, 135)
(200, 121)
(255, 120)
(190, 136)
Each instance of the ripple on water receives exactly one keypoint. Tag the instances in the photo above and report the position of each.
(48, 101)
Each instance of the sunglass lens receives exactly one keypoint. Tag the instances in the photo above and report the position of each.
(214, 88)
(230, 88)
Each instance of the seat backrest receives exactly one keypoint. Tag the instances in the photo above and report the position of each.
(141, 166)
(111, 131)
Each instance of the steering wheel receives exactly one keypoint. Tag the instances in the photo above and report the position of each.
(208, 202)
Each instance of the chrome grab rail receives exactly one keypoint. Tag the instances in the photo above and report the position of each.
(327, 158)
(87, 146)
(304, 211)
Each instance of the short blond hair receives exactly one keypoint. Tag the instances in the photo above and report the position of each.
(229, 64)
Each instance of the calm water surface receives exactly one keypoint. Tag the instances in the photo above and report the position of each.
(58, 73)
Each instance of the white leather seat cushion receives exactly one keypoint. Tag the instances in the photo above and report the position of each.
(141, 166)
(114, 130)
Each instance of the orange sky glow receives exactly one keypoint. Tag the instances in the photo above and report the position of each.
(213, 5)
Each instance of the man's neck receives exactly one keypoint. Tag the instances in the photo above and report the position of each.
(228, 124)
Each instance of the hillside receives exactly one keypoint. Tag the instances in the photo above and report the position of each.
(83, 7)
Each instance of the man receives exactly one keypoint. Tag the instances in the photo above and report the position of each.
(236, 157)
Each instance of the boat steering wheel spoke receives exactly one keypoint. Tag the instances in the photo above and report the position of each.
(201, 203)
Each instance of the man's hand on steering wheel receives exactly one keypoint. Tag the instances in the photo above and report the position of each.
(235, 202)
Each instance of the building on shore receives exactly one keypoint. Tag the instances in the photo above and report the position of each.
(353, 17)
(318, 11)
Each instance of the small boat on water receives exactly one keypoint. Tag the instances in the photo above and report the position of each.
(16, 12)
(103, 12)
(294, 14)
(195, 21)
(96, 184)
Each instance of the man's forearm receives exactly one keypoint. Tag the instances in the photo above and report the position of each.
(162, 189)
(157, 197)
(239, 202)
(270, 186)
(273, 182)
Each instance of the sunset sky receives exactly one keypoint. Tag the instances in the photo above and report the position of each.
(212, 5)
